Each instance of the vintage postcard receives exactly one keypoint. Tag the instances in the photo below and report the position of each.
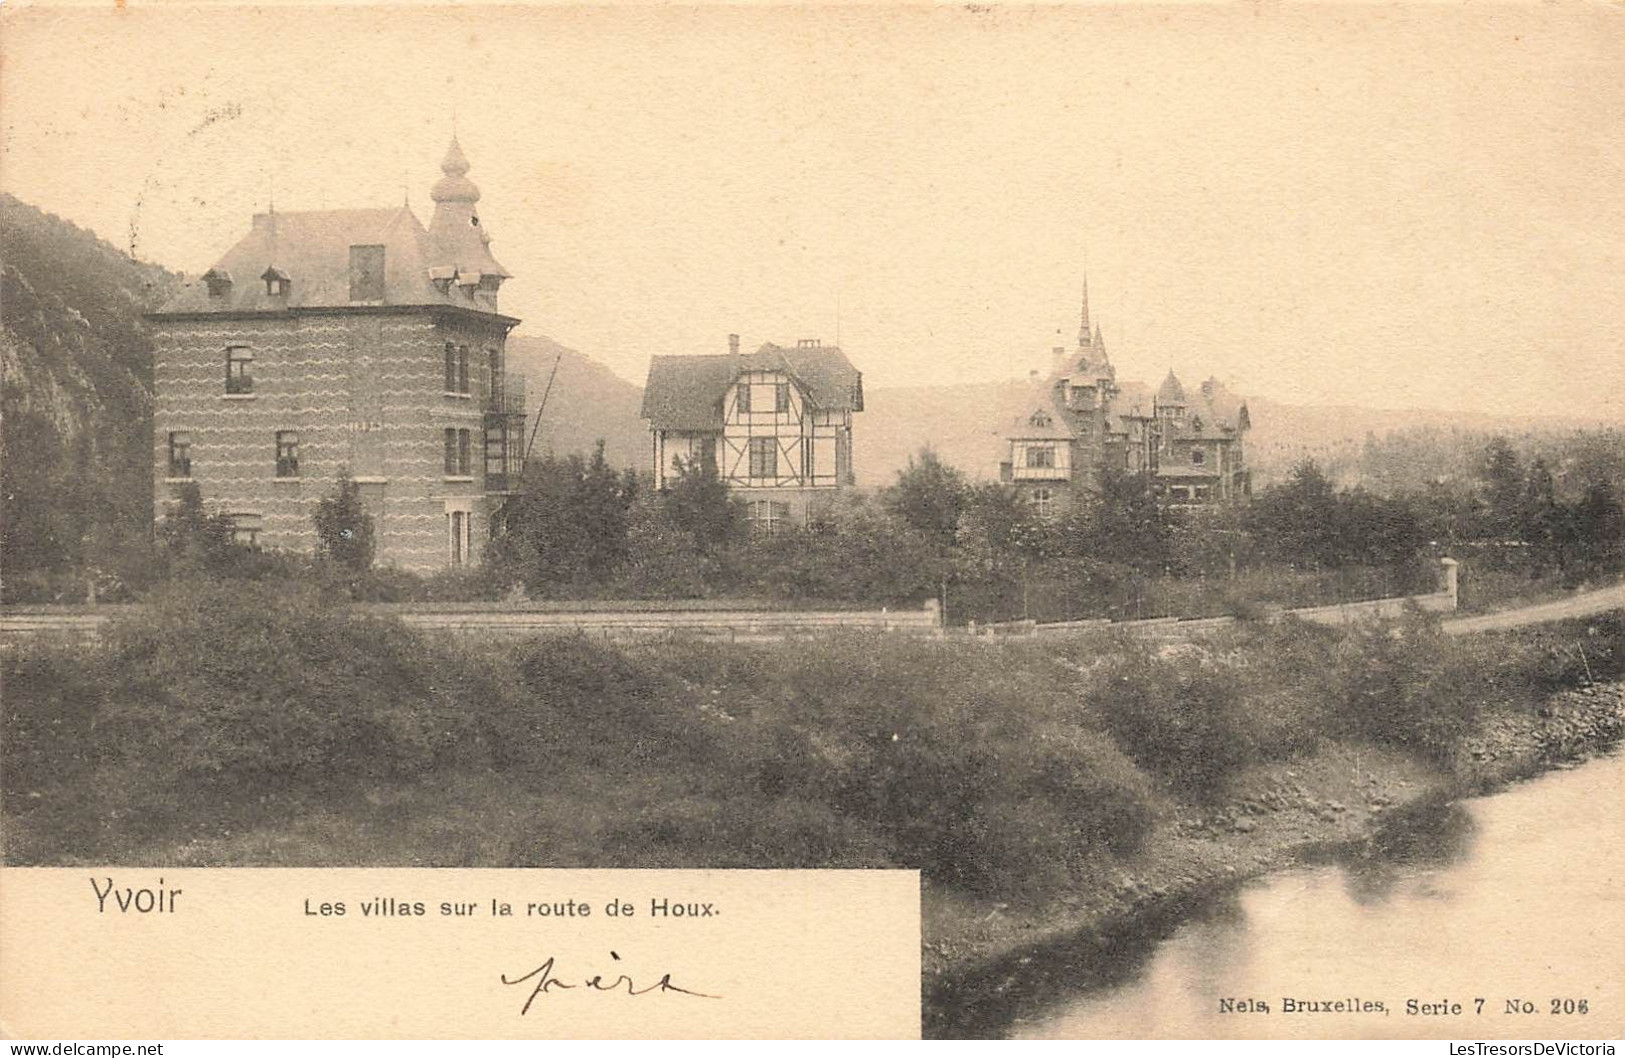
(1094, 521)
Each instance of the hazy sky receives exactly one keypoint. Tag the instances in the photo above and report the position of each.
(1418, 206)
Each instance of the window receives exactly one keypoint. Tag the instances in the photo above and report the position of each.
(1041, 455)
(1038, 418)
(781, 398)
(180, 455)
(767, 515)
(239, 369)
(764, 457)
(1203, 492)
(456, 368)
(245, 529)
(1179, 492)
(1042, 502)
(1198, 456)
(458, 528)
(366, 273)
(287, 453)
(459, 453)
(708, 453)
(742, 404)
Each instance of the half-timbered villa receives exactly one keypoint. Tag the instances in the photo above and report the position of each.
(346, 342)
(776, 424)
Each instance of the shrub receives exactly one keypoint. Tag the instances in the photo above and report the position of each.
(1185, 723)
(344, 529)
(984, 778)
(1407, 685)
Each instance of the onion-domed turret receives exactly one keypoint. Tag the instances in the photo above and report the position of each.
(455, 186)
(460, 245)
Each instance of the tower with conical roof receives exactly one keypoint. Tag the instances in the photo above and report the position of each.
(1171, 400)
(458, 240)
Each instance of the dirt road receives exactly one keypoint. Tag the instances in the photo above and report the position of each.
(1584, 605)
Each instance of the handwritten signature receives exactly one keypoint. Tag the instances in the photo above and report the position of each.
(546, 979)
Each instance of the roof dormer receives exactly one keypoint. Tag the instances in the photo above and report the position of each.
(277, 282)
(219, 282)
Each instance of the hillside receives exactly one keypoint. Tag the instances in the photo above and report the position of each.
(75, 395)
(588, 402)
(963, 424)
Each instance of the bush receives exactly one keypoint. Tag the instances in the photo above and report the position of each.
(983, 778)
(1411, 687)
(344, 529)
(1185, 723)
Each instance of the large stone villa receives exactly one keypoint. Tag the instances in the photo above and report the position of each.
(353, 341)
(1080, 420)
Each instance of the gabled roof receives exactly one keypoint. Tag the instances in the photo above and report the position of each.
(685, 392)
(1041, 416)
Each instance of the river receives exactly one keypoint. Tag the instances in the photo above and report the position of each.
(1515, 897)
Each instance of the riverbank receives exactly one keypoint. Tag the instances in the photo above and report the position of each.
(981, 956)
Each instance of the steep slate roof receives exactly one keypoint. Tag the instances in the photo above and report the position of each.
(1170, 392)
(1131, 401)
(1040, 399)
(312, 250)
(685, 392)
(1220, 413)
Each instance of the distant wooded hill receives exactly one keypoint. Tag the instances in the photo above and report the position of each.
(588, 402)
(964, 425)
(76, 401)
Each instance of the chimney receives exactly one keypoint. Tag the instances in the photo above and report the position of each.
(733, 344)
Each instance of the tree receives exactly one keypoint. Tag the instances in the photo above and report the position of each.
(698, 503)
(1503, 491)
(196, 540)
(567, 531)
(1122, 524)
(1542, 516)
(1296, 522)
(344, 529)
(1598, 527)
(929, 497)
(995, 521)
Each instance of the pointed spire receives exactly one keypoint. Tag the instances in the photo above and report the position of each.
(1100, 342)
(1083, 328)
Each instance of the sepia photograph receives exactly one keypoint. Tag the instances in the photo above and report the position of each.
(1093, 521)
